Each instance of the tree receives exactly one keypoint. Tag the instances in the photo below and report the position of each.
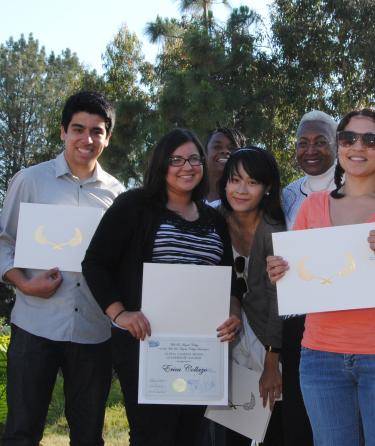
(33, 87)
(130, 84)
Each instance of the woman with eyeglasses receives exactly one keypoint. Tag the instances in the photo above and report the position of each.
(337, 369)
(250, 194)
(165, 221)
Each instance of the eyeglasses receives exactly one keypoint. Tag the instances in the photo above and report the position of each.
(347, 138)
(239, 267)
(179, 161)
(320, 144)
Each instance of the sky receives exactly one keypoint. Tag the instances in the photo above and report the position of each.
(87, 26)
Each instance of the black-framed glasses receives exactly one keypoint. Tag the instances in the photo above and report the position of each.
(347, 138)
(239, 267)
(179, 161)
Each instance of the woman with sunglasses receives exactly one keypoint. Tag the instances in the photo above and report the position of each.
(250, 194)
(337, 369)
(165, 221)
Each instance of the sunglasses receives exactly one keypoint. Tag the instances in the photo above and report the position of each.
(239, 267)
(347, 139)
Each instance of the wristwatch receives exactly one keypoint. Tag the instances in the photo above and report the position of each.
(271, 349)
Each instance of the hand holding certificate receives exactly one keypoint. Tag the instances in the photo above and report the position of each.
(326, 266)
(54, 235)
(184, 362)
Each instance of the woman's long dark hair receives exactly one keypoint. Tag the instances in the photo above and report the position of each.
(154, 179)
(339, 171)
(260, 165)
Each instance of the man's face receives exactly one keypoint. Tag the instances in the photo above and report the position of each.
(85, 140)
(316, 147)
(219, 148)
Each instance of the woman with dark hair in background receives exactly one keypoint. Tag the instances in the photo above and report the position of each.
(250, 195)
(165, 221)
(337, 369)
(221, 142)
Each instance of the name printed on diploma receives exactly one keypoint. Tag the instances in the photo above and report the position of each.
(188, 368)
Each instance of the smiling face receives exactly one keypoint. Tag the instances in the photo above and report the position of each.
(85, 140)
(316, 147)
(358, 160)
(184, 179)
(243, 192)
(219, 148)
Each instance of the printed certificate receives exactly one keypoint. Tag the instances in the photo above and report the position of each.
(183, 362)
(330, 269)
(178, 369)
(51, 236)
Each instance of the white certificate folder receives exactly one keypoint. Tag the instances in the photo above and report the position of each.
(183, 362)
(330, 269)
(51, 236)
(245, 413)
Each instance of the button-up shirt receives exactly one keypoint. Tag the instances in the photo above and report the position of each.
(72, 313)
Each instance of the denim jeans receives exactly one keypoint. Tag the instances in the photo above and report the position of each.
(339, 395)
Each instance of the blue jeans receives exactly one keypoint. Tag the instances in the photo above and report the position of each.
(339, 395)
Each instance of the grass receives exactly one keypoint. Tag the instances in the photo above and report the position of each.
(115, 424)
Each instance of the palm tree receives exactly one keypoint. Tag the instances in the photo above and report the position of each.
(198, 6)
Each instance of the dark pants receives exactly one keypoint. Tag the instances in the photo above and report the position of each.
(33, 364)
(151, 424)
(297, 429)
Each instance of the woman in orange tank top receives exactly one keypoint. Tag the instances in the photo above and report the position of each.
(337, 369)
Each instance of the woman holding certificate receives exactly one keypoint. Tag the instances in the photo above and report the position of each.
(165, 221)
(337, 369)
(250, 196)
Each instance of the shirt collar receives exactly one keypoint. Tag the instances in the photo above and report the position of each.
(62, 168)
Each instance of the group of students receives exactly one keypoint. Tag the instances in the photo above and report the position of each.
(212, 205)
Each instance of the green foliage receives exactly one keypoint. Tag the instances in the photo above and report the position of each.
(4, 343)
(317, 55)
(33, 88)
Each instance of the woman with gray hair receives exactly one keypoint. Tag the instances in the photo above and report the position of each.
(316, 153)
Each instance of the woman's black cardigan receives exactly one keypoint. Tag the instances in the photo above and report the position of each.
(124, 240)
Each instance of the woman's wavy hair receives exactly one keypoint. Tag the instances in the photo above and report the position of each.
(260, 165)
(154, 183)
(339, 171)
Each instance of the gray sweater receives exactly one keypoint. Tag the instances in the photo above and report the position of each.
(260, 301)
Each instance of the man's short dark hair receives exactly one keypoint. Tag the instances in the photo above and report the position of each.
(90, 102)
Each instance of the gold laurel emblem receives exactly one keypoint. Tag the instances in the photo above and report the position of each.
(40, 238)
(347, 270)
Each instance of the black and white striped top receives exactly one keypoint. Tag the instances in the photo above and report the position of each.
(189, 242)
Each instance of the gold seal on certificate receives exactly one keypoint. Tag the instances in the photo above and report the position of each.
(179, 385)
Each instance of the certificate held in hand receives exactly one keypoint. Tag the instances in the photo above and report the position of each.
(329, 269)
(183, 362)
(51, 236)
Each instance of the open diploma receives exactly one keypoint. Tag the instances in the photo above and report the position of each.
(183, 362)
(51, 236)
(330, 269)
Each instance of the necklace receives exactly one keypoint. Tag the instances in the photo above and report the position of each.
(189, 213)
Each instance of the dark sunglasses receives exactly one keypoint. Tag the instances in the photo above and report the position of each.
(347, 138)
(239, 267)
